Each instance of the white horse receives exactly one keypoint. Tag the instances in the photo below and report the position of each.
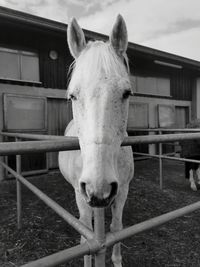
(99, 89)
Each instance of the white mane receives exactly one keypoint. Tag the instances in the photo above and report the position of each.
(97, 61)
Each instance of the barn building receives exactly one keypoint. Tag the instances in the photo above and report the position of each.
(34, 61)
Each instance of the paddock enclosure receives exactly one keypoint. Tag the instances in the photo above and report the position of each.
(99, 240)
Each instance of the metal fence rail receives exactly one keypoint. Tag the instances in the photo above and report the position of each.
(161, 158)
(71, 143)
(97, 241)
(151, 223)
(78, 226)
(173, 130)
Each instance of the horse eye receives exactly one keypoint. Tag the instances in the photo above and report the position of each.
(127, 93)
(72, 97)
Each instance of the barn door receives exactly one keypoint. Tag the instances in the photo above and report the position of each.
(138, 118)
(182, 116)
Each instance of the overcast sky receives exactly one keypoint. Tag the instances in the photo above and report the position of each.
(168, 25)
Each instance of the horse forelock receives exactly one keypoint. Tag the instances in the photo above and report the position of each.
(98, 61)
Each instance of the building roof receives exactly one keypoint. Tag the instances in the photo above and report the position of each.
(161, 57)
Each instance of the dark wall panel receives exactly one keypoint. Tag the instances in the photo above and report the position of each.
(181, 84)
(181, 80)
(53, 73)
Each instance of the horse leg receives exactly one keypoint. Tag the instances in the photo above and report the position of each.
(198, 175)
(86, 218)
(116, 224)
(192, 182)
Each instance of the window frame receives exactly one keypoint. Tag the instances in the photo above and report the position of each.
(19, 53)
(155, 93)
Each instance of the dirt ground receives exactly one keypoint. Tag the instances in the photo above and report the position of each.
(176, 243)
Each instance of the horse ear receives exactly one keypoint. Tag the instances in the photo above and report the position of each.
(75, 38)
(119, 36)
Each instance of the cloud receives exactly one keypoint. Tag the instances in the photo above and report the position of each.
(178, 27)
(153, 23)
(51, 9)
(58, 9)
(185, 44)
(89, 4)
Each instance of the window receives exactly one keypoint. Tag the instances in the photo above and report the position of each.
(151, 85)
(19, 65)
(138, 116)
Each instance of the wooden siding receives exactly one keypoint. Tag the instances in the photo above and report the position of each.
(181, 84)
(181, 80)
(53, 73)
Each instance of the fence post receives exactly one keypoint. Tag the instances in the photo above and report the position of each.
(99, 232)
(160, 164)
(18, 188)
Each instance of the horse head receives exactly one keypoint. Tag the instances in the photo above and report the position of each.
(99, 89)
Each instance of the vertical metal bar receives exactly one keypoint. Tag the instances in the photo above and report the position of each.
(18, 187)
(99, 231)
(87, 260)
(160, 164)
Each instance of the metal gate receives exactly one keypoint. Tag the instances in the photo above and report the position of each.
(97, 240)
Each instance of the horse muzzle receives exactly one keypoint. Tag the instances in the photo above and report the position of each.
(97, 200)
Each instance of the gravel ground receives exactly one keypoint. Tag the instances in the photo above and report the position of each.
(176, 243)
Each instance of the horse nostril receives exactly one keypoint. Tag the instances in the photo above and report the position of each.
(114, 189)
(83, 188)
